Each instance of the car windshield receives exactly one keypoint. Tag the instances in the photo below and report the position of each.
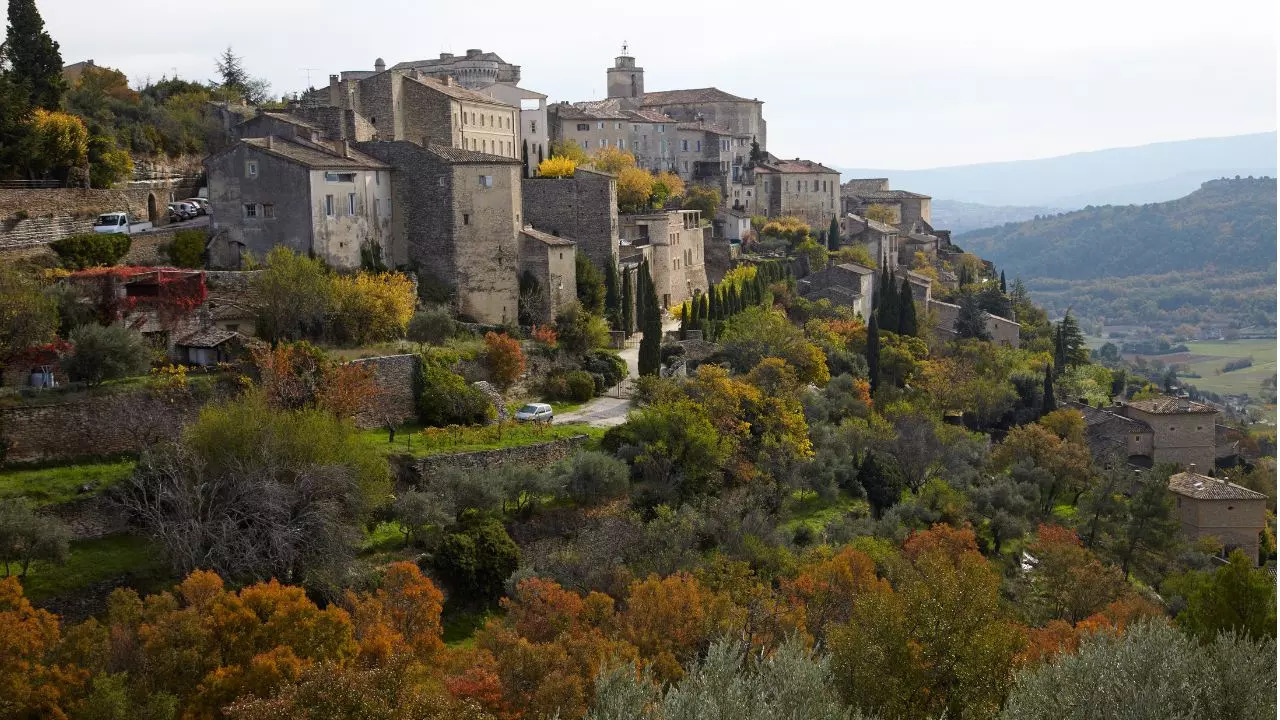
(108, 220)
(529, 409)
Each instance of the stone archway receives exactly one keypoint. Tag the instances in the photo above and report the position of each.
(152, 212)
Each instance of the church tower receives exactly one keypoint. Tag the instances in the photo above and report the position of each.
(625, 80)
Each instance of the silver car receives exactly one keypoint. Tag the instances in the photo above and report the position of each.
(534, 412)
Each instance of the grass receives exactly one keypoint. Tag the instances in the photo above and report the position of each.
(94, 561)
(461, 623)
(806, 507)
(53, 485)
(1210, 356)
(411, 439)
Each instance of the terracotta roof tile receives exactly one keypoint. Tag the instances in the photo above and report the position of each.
(684, 97)
(314, 156)
(1203, 487)
(1165, 405)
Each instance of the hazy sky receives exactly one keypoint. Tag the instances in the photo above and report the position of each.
(860, 84)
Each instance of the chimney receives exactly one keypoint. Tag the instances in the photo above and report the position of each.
(271, 142)
(1191, 467)
(344, 148)
(448, 81)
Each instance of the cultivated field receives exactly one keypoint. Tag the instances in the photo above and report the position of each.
(1207, 359)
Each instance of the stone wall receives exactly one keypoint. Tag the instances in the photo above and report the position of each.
(584, 207)
(395, 378)
(56, 213)
(414, 472)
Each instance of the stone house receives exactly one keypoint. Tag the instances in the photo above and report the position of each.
(880, 240)
(550, 260)
(673, 242)
(323, 199)
(1113, 436)
(583, 207)
(742, 117)
(844, 284)
(457, 223)
(280, 124)
(1003, 331)
(909, 209)
(1183, 430)
(406, 105)
(1208, 507)
(803, 188)
(535, 137)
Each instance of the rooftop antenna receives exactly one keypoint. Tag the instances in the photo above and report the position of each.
(308, 71)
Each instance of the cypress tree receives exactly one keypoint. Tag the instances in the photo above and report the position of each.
(716, 312)
(524, 158)
(1059, 349)
(612, 299)
(881, 486)
(888, 303)
(539, 155)
(685, 319)
(628, 304)
(907, 324)
(1048, 404)
(651, 325)
(873, 353)
(1003, 291)
(735, 300)
(833, 235)
(35, 63)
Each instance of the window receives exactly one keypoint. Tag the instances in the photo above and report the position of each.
(583, 126)
(388, 207)
(686, 165)
(250, 210)
(662, 128)
(351, 203)
(251, 169)
(377, 178)
(377, 207)
(600, 125)
(481, 119)
(603, 142)
(464, 118)
(699, 146)
(684, 146)
(268, 210)
(486, 181)
(339, 177)
(466, 219)
(473, 143)
(586, 144)
(328, 205)
(617, 126)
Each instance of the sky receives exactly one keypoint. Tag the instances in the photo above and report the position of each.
(891, 85)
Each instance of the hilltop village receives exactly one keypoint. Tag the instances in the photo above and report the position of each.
(416, 396)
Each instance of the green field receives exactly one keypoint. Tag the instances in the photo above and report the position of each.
(52, 485)
(411, 440)
(1207, 359)
(99, 560)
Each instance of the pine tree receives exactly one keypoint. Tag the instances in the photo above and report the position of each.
(650, 360)
(970, 321)
(1002, 287)
(882, 487)
(35, 62)
(1048, 404)
(907, 324)
(628, 304)
(888, 302)
(612, 299)
(873, 353)
(833, 235)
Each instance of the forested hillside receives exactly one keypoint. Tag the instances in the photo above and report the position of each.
(1209, 257)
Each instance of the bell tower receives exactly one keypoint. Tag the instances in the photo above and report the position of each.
(625, 80)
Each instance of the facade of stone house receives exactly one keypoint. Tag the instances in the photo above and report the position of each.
(550, 260)
(1208, 507)
(533, 132)
(911, 211)
(1003, 331)
(279, 124)
(673, 242)
(1183, 430)
(738, 115)
(1115, 437)
(405, 105)
(880, 240)
(583, 207)
(845, 284)
(457, 223)
(803, 188)
(327, 200)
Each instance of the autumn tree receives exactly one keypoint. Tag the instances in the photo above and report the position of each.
(879, 213)
(28, 315)
(826, 583)
(401, 615)
(557, 167)
(371, 307)
(1069, 582)
(503, 358)
(666, 185)
(60, 143)
(33, 58)
(34, 682)
(635, 187)
(612, 160)
(703, 197)
(569, 150)
(294, 296)
(1067, 463)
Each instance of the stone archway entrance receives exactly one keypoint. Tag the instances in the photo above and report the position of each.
(152, 214)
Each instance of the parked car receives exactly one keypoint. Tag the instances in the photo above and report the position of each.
(119, 222)
(534, 412)
(180, 211)
(201, 204)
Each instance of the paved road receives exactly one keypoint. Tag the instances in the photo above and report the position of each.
(611, 408)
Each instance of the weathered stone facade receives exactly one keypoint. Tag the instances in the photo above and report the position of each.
(583, 207)
(551, 261)
(457, 219)
(1184, 430)
(846, 284)
(674, 244)
(803, 188)
(1002, 330)
(1208, 507)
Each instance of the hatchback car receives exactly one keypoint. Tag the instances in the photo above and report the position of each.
(200, 204)
(534, 412)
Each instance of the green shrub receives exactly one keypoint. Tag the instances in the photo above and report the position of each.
(574, 385)
(187, 248)
(91, 249)
(105, 353)
(590, 477)
(432, 325)
(445, 398)
(608, 365)
(477, 556)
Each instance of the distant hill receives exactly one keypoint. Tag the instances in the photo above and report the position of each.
(960, 217)
(1148, 173)
(1207, 258)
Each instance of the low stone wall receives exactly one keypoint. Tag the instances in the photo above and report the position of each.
(414, 472)
(394, 376)
(34, 217)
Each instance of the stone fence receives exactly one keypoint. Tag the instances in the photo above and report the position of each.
(35, 217)
(416, 472)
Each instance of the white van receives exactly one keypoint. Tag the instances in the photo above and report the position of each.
(118, 222)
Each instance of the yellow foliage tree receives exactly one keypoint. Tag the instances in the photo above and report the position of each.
(921, 264)
(855, 254)
(557, 167)
(879, 213)
(635, 185)
(570, 150)
(667, 185)
(372, 307)
(61, 142)
(612, 160)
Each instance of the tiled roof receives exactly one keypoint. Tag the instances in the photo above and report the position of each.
(209, 337)
(875, 225)
(457, 92)
(652, 116)
(289, 118)
(856, 268)
(684, 97)
(1165, 405)
(459, 155)
(705, 127)
(797, 166)
(433, 62)
(884, 194)
(545, 238)
(1203, 487)
(314, 156)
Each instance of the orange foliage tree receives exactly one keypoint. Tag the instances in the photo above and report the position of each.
(33, 684)
(504, 358)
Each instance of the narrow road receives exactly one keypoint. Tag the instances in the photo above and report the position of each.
(611, 408)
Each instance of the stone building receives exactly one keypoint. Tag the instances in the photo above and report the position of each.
(550, 260)
(535, 137)
(1003, 331)
(1207, 507)
(880, 240)
(739, 116)
(474, 70)
(803, 188)
(1183, 430)
(281, 124)
(405, 105)
(1114, 437)
(583, 207)
(327, 200)
(845, 284)
(457, 222)
(673, 243)
(911, 211)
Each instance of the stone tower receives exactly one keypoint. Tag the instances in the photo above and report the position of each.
(625, 80)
